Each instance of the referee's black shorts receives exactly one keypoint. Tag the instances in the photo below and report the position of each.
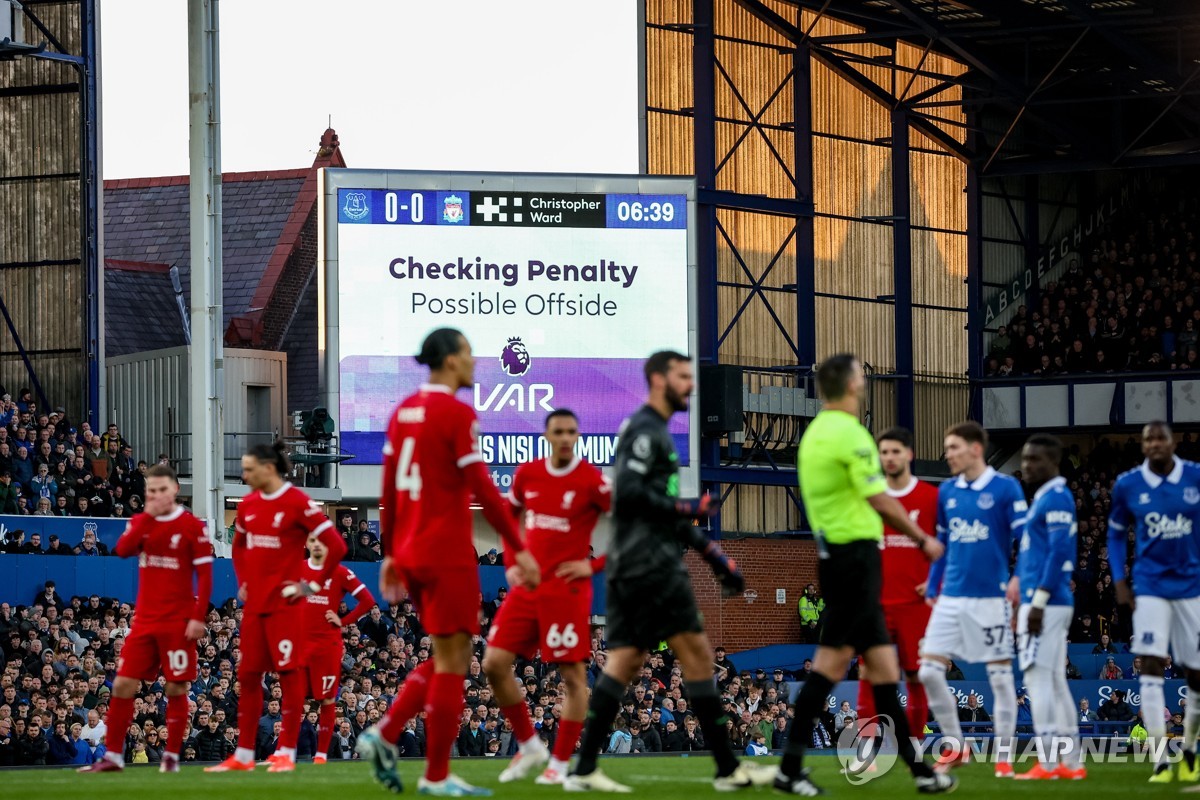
(851, 584)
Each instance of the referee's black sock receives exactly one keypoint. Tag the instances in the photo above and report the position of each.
(809, 703)
(602, 710)
(887, 703)
(707, 705)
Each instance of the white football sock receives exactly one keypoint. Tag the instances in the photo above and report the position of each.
(1153, 703)
(1004, 710)
(941, 702)
(1043, 705)
(1068, 721)
(1191, 721)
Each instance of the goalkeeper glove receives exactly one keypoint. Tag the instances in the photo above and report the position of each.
(725, 569)
(700, 507)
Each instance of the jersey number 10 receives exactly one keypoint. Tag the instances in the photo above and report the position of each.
(408, 474)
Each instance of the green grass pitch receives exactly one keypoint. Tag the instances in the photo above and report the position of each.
(662, 778)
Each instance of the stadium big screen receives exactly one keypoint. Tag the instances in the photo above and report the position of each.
(563, 285)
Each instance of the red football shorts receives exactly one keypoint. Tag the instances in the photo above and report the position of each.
(553, 617)
(324, 667)
(447, 598)
(274, 642)
(146, 650)
(906, 626)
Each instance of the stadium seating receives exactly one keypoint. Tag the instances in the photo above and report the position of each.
(1130, 306)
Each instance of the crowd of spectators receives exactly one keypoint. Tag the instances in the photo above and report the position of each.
(58, 659)
(52, 468)
(1131, 306)
(361, 542)
(58, 656)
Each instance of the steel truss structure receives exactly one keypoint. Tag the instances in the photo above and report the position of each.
(763, 100)
(50, 196)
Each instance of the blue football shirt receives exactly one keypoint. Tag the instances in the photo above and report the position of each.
(1046, 558)
(1163, 511)
(976, 522)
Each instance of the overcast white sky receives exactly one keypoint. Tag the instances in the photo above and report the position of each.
(519, 85)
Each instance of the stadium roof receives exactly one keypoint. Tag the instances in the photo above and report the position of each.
(1051, 85)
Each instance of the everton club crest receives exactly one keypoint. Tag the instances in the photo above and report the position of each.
(356, 206)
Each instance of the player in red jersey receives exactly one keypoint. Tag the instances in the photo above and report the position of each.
(273, 525)
(562, 497)
(905, 570)
(432, 466)
(172, 548)
(323, 635)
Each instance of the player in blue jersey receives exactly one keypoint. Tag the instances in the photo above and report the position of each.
(1161, 501)
(1042, 586)
(978, 514)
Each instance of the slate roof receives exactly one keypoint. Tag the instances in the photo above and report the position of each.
(300, 344)
(146, 220)
(265, 216)
(140, 309)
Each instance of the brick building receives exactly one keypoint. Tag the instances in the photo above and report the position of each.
(768, 564)
(269, 248)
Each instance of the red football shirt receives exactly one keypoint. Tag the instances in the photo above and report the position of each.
(561, 508)
(169, 548)
(431, 439)
(269, 549)
(904, 565)
(343, 582)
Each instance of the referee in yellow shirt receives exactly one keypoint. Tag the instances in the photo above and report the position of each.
(843, 486)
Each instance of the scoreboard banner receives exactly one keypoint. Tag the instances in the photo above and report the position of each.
(562, 285)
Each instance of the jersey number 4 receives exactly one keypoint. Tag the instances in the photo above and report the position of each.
(408, 474)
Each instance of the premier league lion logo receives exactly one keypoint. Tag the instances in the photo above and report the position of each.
(515, 358)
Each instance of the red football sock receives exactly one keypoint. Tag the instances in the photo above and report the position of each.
(441, 723)
(866, 700)
(918, 708)
(250, 708)
(177, 718)
(568, 737)
(414, 693)
(325, 728)
(292, 683)
(120, 715)
(518, 715)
